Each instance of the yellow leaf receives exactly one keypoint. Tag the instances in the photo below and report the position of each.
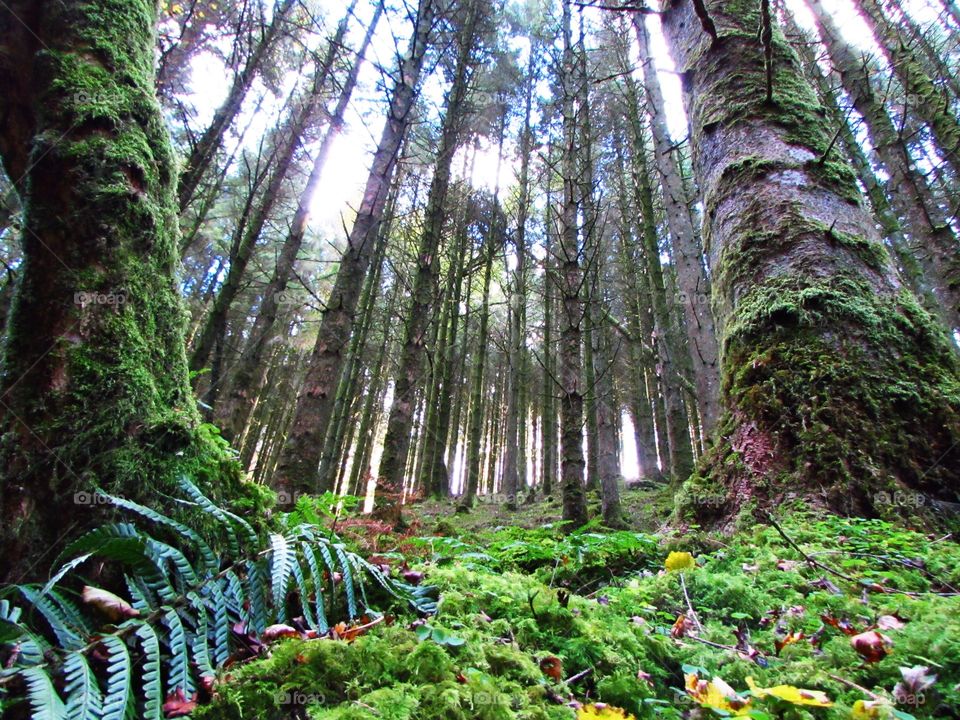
(680, 561)
(717, 694)
(871, 710)
(791, 694)
(601, 711)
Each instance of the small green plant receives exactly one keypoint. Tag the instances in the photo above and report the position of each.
(189, 607)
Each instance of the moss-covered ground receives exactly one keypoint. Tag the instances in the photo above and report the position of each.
(534, 623)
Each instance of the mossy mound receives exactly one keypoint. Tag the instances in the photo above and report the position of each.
(511, 643)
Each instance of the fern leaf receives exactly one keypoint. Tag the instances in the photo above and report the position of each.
(199, 640)
(161, 552)
(118, 541)
(281, 565)
(221, 622)
(58, 621)
(119, 696)
(317, 577)
(210, 561)
(229, 520)
(178, 662)
(304, 596)
(255, 585)
(45, 704)
(84, 699)
(150, 676)
(348, 580)
(73, 614)
(67, 567)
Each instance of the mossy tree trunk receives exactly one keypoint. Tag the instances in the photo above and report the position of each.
(836, 383)
(95, 391)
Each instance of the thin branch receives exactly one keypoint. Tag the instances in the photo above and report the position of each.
(705, 20)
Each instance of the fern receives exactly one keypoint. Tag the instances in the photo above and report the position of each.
(45, 704)
(192, 609)
(84, 699)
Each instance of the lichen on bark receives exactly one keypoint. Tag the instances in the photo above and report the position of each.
(837, 385)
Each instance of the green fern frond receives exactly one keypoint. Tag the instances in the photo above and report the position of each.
(150, 683)
(84, 699)
(55, 617)
(45, 704)
(178, 656)
(281, 567)
(118, 699)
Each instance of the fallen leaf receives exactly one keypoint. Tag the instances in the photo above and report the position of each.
(716, 695)
(177, 705)
(681, 627)
(843, 625)
(791, 694)
(916, 679)
(788, 639)
(677, 561)
(275, 632)
(602, 711)
(890, 622)
(787, 565)
(552, 667)
(871, 645)
(114, 608)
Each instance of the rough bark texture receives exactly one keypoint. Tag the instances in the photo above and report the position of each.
(837, 384)
(570, 373)
(301, 454)
(95, 390)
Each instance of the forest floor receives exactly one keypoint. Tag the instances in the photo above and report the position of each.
(813, 617)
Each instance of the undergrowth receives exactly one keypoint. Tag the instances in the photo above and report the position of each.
(536, 624)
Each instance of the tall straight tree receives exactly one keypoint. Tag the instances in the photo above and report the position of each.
(419, 312)
(94, 380)
(934, 242)
(304, 444)
(836, 382)
(250, 372)
(687, 253)
(570, 372)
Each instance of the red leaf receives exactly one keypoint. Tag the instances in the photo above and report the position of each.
(177, 704)
(872, 646)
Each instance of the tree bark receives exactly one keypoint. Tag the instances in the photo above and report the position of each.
(688, 255)
(94, 379)
(837, 384)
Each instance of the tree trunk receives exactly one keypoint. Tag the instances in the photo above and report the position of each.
(301, 454)
(248, 376)
(570, 372)
(688, 257)
(837, 384)
(409, 378)
(95, 390)
(935, 244)
(205, 149)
